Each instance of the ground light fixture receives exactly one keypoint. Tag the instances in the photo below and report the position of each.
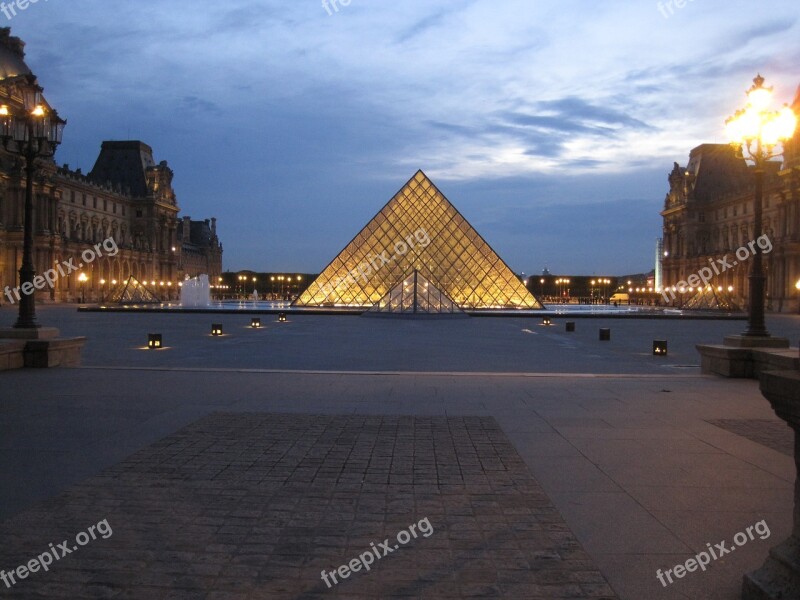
(255, 323)
(547, 321)
(570, 326)
(659, 347)
(155, 341)
(216, 329)
(281, 317)
(605, 335)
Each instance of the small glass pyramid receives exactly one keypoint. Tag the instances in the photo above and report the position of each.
(415, 295)
(132, 291)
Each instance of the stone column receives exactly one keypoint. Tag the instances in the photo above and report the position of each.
(779, 577)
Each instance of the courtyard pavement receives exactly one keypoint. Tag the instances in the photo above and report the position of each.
(643, 462)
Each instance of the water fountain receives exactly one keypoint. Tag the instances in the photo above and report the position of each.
(196, 292)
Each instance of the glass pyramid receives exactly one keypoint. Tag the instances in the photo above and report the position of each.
(132, 291)
(415, 295)
(712, 299)
(418, 230)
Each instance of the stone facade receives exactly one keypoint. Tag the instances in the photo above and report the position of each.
(708, 213)
(127, 196)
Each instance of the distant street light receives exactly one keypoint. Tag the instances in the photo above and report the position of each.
(82, 278)
(755, 131)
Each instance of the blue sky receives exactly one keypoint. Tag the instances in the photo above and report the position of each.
(552, 126)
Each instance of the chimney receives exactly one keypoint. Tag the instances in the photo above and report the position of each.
(187, 229)
(213, 226)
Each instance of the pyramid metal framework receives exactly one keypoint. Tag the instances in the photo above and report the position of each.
(132, 291)
(415, 295)
(709, 298)
(419, 229)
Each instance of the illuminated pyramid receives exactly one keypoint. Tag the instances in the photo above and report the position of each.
(709, 298)
(132, 291)
(415, 295)
(418, 230)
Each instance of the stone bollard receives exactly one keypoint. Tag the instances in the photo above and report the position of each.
(779, 576)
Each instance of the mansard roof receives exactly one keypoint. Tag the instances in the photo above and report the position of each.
(715, 170)
(124, 163)
(12, 55)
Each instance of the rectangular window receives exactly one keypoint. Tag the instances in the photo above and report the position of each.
(84, 199)
(105, 205)
(94, 202)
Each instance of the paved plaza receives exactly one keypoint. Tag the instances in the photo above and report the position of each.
(242, 506)
(548, 466)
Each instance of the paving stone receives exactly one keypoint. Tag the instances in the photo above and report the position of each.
(772, 434)
(257, 505)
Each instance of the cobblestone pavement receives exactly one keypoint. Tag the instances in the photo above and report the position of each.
(772, 434)
(256, 505)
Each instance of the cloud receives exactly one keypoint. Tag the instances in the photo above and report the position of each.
(514, 105)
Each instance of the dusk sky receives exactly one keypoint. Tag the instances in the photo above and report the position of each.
(551, 126)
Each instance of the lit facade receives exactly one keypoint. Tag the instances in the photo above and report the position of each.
(708, 213)
(418, 230)
(127, 197)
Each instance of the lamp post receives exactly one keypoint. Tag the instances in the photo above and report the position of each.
(755, 131)
(797, 287)
(82, 278)
(32, 132)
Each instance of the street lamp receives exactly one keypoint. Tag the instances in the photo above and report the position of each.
(82, 278)
(755, 131)
(31, 132)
